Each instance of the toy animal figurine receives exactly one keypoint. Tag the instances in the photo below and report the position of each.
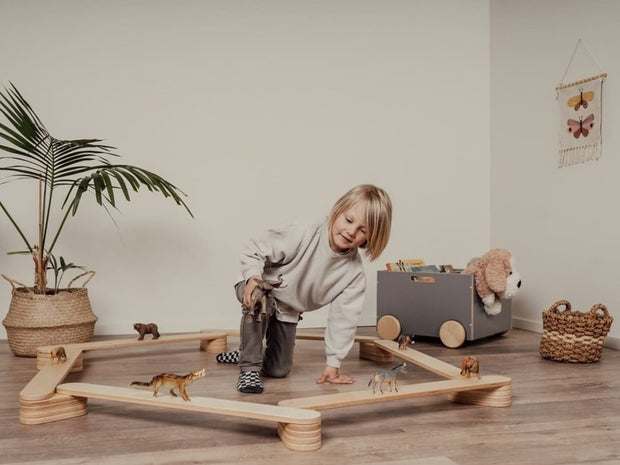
(387, 376)
(143, 329)
(469, 366)
(261, 295)
(58, 354)
(172, 381)
(404, 340)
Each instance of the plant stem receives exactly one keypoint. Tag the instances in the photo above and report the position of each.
(40, 218)
(40, 278)
(47, 204)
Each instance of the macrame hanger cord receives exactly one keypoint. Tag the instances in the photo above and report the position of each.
(570, 62)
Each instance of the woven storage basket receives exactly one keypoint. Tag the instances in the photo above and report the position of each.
(573, 336)
(36, 320)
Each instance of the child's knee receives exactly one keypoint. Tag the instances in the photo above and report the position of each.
(276, 368)
(277, 372)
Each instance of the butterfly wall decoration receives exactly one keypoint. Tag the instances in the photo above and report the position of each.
(581, 100)
(580, 111)
(581, 127)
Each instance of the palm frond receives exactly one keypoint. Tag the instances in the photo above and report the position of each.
(28, 151)
(107, 178)
(28, 131)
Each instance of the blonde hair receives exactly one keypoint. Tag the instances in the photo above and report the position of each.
(378, 209)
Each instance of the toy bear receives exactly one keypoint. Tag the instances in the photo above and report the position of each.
(495, 277)
(143, 329)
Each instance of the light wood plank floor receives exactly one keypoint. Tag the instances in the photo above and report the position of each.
(561, 413)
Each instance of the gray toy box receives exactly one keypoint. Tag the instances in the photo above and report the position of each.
(444, 305)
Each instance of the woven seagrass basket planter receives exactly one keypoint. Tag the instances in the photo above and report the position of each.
(573, 336)
(36, 320)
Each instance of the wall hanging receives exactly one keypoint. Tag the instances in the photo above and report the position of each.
(580, 112)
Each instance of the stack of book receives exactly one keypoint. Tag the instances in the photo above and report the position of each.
(417, 265)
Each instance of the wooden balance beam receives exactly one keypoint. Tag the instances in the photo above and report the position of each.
(43, 400)
(367, 347)
(366, 396)
(299, 429)
(210, 341)
(420, 359)
(38, 400)
(491, 391)
(491, 395)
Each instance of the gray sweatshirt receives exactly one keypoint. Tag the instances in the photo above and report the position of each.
(313, 276)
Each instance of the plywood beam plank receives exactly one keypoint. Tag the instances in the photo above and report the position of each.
(351, 398)
(43, 384)
(121, 343)
(420, 359)
(320, 337)
(197, 404)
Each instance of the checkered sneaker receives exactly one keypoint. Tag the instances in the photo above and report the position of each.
(249, 382)
(228, 357)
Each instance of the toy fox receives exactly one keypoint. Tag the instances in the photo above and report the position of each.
(387, 376)
(172, 381)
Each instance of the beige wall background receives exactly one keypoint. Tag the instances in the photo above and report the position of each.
(560, 222)
(263, 112)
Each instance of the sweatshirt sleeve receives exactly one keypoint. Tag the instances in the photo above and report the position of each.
(273, 247)
(342, 321)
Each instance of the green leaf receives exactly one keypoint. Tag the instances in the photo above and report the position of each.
(75, 167)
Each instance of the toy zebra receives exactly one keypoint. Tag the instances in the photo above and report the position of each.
(387, 376)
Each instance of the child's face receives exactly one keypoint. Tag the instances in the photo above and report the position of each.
(348, 230)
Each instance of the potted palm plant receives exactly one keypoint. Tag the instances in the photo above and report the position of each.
(65, 172)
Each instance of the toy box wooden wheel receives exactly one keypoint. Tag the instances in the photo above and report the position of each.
(389, 327)
(452, 334)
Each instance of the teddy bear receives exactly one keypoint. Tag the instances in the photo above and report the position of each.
(495, 277)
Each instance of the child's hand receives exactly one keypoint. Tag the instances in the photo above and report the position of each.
(250, 285)
(332, 375)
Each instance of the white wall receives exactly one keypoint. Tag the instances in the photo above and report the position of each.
(261, 111)
(561, 223)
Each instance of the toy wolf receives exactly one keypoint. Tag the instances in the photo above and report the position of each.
(386, 376)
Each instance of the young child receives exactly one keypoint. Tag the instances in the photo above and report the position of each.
(319, 264)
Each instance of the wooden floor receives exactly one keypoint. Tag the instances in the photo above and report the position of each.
(560, 413)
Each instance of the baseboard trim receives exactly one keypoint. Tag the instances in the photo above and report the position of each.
(536, 326)
(529, 325)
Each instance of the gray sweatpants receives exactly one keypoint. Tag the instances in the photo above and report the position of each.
(276, 359)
